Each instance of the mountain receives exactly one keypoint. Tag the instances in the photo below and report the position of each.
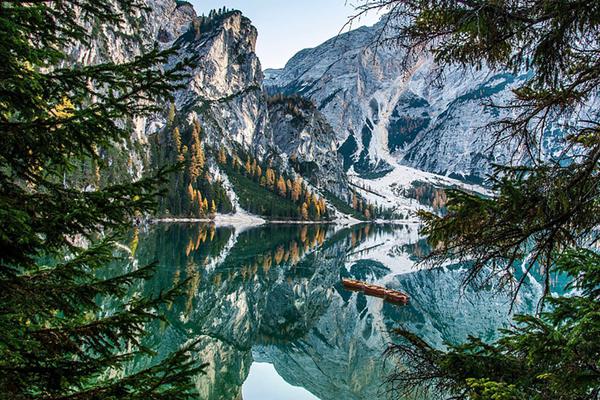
(224, 91)
(311, 141)
(305, 137)
(239, 148)
(387, 109)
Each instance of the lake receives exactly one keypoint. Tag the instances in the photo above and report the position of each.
(274, 321)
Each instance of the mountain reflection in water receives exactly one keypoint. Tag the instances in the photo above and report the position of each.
(272, 294)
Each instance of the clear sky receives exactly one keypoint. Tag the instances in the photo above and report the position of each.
(287, 26)
(264, 383)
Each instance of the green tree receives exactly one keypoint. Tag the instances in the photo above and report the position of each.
(177, 142)
(57, 239)
(551, 356)
(545, 209)
(171, 115)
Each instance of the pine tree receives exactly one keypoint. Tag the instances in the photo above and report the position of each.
(198, 209)
(222, 157)
(205, 206)
(56, 341)
(304, 211)
(171, 115)
(177, 142)
(367, 212)
(191, 193)
(254, 166)
(322, 206)
(270, 177)
(545, 211)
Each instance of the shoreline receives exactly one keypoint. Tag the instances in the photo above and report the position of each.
(252, 220)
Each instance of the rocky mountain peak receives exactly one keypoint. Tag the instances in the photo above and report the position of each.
(386, 112)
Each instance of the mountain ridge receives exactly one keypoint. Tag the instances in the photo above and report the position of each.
(229, 104)
(387, 109)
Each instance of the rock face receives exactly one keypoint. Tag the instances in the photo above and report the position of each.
(225, 88)
(162, 22)
(305, 137)
(223, 91)
(387, 110)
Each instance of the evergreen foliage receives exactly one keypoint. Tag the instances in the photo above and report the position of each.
(192, 191)
(271, 193)
(56, 240)
(206, 23)
(428, 195)
(546, 208)
(343, 206)
(551, 356)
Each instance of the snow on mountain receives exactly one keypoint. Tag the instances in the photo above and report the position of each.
(382, 117)
(392, 190)
(388, 110)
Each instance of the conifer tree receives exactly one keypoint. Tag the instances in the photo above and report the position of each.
(254, 166)
(191, 193)
(297, 188)
(304, 211)
(270, 177)
(197, 156)
(281, 188)
(57, 239)
(199, 206)
(204, 206)
(177, 143)
(222, 157)
(171, 114)
(545, 211)
(367, 213)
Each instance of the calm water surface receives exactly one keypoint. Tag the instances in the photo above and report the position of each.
(274, 321)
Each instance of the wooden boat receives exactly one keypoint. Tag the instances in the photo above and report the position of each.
(391, 295)
(352, 284)
(374, 290)
(395, 296)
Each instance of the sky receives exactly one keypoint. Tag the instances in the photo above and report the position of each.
(288, 26)
(264, 383)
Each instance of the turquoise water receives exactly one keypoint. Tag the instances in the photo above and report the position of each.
(274, 321)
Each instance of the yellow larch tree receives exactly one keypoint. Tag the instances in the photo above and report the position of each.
(281, 186)
(197, 160)
(297, 188)
(222, 156)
